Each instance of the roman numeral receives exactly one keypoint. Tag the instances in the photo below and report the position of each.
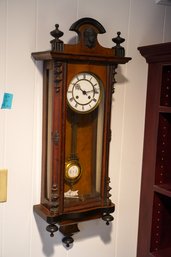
(96, 92)
(71, 99)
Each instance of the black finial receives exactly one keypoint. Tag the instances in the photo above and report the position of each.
(120, 51)
(67, 240)
(57, 44)
(52, 228)
(108, 218)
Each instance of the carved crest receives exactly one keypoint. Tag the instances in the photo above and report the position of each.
(87, 30)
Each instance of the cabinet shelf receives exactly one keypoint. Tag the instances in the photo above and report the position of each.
(162, 253)
(164, 109)
(164, 189)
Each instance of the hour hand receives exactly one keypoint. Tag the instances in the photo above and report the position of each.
(77, 86)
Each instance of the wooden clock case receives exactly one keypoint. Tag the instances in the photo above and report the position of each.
(60, 65)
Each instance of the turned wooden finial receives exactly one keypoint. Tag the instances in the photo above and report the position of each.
(56, 43)
(120, 51)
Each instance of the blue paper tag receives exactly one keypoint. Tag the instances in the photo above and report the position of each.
(7, 101)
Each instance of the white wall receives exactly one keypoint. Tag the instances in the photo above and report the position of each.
(24, 28)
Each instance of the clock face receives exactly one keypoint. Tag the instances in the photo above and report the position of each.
(84, 93)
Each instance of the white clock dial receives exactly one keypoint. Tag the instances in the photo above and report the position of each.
(73, 171)
(84, 92)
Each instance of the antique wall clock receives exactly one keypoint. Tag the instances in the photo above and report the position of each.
(77, 93)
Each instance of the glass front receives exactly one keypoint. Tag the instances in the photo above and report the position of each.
(83, 149)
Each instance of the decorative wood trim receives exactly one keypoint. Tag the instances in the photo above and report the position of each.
(58, 75)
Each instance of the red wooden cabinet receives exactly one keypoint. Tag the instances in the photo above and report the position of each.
(154, 238)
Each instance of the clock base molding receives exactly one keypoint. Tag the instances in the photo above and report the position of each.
(67, 223)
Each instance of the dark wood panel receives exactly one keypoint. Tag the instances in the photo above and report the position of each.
(154, 236)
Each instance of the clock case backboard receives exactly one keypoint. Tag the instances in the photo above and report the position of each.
(60, 65)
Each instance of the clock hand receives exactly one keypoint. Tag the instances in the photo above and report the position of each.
(77, 86)
(87, 91)
(91, 91)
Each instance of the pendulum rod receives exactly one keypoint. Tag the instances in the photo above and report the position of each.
(73, 154)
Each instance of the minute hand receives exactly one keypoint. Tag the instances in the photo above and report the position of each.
(93, 90)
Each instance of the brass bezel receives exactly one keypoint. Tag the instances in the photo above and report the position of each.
(68, 164)
(100, 97)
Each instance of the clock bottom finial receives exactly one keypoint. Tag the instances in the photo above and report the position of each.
(68, 231)
(52, 228)
(108, 218)
(67, 240)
